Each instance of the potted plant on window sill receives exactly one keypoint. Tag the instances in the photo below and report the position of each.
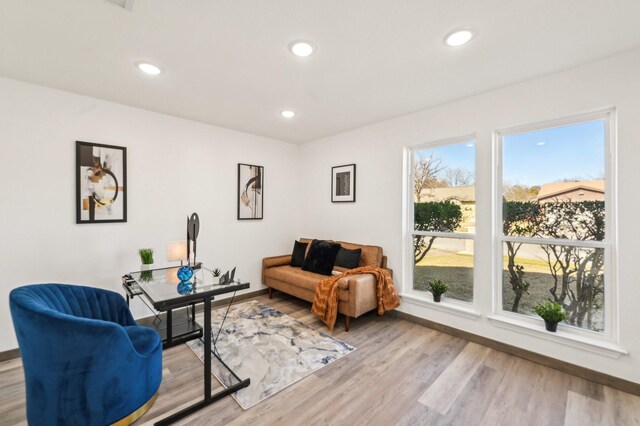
(552, 313)
(146, 258)
(437, 289)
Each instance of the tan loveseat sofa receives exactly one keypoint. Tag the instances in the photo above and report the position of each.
(356, 293)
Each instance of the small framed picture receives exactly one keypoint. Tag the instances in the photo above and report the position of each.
(250, 191)
(101, 183)
(343, 184)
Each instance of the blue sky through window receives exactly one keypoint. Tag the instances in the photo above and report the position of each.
(550, 155)
(461, 155)
(574, 152)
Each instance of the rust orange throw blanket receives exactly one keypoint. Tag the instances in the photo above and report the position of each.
(325, 301)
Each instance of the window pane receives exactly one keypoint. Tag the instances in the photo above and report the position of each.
(446, 259)
(571, 276)
(553, 182)
(444, 188)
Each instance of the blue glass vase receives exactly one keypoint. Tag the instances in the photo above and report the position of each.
(185, 273)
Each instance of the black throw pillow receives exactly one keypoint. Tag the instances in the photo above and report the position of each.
(321, 257)
(348, 258)
(297, 257)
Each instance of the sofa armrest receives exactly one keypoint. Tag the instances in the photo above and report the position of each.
(355, 282)
(273, 261)
(362, 292)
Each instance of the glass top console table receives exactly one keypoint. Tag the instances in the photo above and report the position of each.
(164, 291)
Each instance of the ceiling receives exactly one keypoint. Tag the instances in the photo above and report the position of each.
(227, 63)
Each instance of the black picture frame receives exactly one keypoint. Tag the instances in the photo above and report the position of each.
(250, 192)
(343, 184)
(101, 183)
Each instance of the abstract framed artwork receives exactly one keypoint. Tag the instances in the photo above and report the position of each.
(101, 183)
(343, 184)
(250, 192)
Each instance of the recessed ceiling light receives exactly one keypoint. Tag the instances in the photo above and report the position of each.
(458, 37)
(149, 68)
(540, 143)
(469, 145)
(288, 114)
(301, 48)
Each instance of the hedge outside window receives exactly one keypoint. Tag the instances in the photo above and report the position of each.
(555, 220)
(443, 216)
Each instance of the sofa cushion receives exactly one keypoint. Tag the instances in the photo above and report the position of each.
(321, 257)
(303, 279)
(298, 255)
(348, 258)
(291, 274)
(371, 255)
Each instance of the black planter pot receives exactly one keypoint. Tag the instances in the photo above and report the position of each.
(551, 326)
(436, 297)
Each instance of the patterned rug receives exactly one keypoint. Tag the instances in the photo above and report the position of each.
(267, 346)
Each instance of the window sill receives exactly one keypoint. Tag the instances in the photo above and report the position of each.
(597, 346)
(444, 306)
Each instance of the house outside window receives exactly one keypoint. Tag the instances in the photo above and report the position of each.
(442, 217)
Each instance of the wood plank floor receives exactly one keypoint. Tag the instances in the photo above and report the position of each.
(401, 373)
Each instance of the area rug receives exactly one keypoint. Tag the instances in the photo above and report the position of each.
(267, 346)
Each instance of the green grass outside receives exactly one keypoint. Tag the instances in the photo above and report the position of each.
(456, 270)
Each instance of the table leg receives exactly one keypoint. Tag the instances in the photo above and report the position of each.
(207, 349)
(208, 398)
(169, 327)
(193, 313)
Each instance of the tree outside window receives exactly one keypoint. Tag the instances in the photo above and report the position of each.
(444, 216)
(553, 221)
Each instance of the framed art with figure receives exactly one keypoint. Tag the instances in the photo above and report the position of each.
(343, 184)
(101, 183)
(250, 192)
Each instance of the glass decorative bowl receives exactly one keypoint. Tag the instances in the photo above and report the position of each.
(185, 273)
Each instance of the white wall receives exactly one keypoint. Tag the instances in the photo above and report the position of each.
(376, 217)
(175, 167)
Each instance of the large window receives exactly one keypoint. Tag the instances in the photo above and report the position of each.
(443, 216)
(555, 220)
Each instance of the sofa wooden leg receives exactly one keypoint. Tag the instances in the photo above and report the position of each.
(346, 322)
(270, 293)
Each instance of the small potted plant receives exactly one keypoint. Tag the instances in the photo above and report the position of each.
(216, 275)
(146, 258)
(437, 288)
(551, 312)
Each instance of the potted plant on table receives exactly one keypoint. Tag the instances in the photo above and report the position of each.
(146, 258)
(437, 289)
(216, 272)
(551, 312)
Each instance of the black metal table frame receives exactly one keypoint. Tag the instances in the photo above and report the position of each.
(191, 300)
(170, 340)
(208, 398)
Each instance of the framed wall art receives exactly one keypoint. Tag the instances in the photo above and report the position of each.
(343, 184)
(250, 191)
(101, 183)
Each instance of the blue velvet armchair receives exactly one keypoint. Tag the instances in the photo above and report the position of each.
(86, 362)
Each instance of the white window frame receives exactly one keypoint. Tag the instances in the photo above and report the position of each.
(609, 244)
(451, 305)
